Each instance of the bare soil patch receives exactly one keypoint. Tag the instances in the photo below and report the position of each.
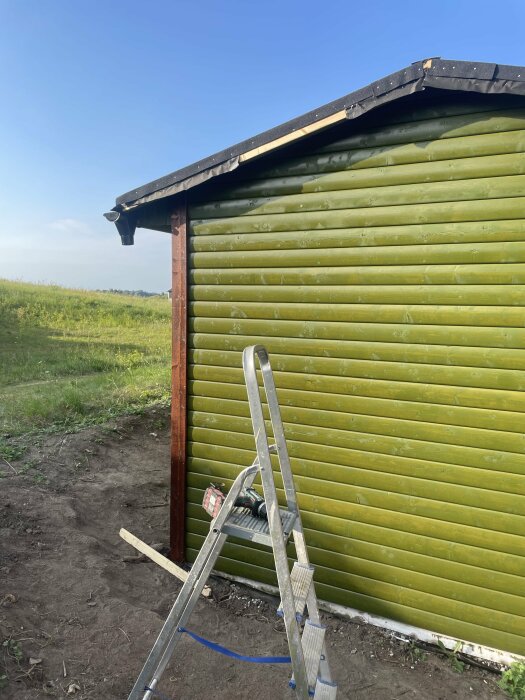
(78, 618)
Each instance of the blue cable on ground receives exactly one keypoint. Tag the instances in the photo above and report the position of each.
(227, 652)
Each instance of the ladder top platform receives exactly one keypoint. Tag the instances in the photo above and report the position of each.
(247, 527)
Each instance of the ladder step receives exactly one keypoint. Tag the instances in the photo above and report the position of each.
(312, 643)
(325, 690)
(301, 579)
(247, 527)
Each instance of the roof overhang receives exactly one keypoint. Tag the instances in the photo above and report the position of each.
(485, 78)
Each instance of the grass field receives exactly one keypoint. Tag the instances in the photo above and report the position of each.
(71, 357)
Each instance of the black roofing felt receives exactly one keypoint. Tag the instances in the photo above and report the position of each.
(489, 78)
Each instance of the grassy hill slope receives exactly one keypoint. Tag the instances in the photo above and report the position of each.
(69, 357)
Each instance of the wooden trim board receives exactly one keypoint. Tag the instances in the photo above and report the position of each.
(293, 136)
(179, 225)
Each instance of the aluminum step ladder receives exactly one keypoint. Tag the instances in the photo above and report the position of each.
(311, 672)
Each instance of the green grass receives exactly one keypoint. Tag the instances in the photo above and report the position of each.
(513, 681)
(70, 357)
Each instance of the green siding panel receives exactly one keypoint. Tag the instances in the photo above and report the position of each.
(367, 313)
(385, 255)
(444, 170)
(468, 146)
(364, 275)
(399, 382)
(393, 215)
(416, 234)
(385, 273)
(305, 396)
(441, 127)
(490, 441)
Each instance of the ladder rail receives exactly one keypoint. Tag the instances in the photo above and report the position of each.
(270, 496)
(249, 355)
(277, 425)
(168, 637)
(278, 432)
(183, 617)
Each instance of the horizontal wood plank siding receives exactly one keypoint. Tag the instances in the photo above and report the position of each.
(385, 273)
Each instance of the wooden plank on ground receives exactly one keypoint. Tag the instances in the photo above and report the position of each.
(159, 558)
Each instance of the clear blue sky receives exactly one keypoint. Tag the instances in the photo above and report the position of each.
(101, 96)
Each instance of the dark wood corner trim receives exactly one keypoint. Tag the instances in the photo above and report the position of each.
(179, 294)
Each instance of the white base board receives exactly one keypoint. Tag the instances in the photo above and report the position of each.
(502, 658)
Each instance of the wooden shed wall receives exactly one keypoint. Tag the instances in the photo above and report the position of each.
(385, 273)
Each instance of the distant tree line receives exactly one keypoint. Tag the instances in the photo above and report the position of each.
(133, 292)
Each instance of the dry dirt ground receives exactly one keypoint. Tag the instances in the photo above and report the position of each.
(78, 618)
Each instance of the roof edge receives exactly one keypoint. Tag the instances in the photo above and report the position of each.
(431, 72)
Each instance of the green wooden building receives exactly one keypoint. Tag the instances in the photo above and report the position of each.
(376, 247)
